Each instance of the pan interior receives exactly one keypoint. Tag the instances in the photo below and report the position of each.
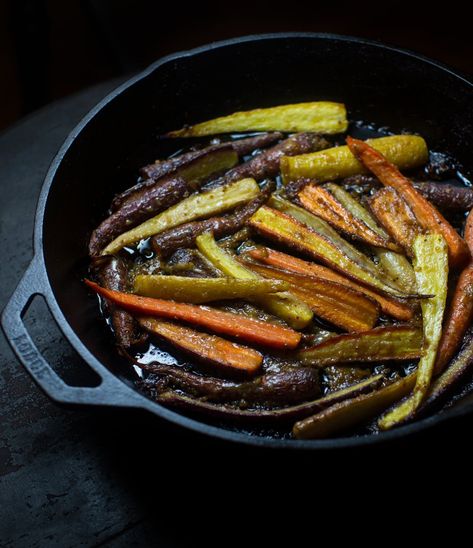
(378, 85)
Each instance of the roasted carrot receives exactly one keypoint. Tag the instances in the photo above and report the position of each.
(334, 302)
(322, 203)
(284, 305)
(394, 265)
(352, 412)
(228, 323)
(460, 366)
(397, 309)
(426, 214)
(431, 270)
(323, 229)
(319, 116)
(202, 290)
(288, 230)
(268, 416)
(406, 151)
(395, 342)
(210, 348)
(460, 311)
(396, 217)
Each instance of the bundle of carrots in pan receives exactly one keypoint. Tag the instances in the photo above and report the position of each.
(293, 279)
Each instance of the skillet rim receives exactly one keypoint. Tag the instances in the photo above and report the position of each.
(139, 400)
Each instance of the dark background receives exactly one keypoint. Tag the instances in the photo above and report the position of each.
(116, 478)
(52, 48)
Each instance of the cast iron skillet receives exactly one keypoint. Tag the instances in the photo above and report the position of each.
(380, 84)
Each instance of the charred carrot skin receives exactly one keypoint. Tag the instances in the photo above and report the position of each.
(209, 348)
(426, 214)
(227, 323)
(460, 311)
(320, 202)
(392, 307)
(396, 217)
(334, 302)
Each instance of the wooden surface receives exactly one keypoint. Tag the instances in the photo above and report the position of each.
(73, 477)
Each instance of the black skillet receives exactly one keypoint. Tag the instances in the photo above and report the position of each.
(379, 84)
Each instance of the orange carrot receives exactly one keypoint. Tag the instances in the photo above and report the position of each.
(294, 233)
(396, 217)
(426, 214)
(396, 309)
(334, 302)
(228, 323)
(322, 203)
(460, 311)
(209, 348)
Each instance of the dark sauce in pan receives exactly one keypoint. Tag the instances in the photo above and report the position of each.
(442, 167)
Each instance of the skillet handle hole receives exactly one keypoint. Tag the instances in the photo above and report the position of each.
(55, 349)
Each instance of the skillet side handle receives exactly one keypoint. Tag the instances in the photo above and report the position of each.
(111, 391)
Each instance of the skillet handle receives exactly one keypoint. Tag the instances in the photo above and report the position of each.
(111, 391)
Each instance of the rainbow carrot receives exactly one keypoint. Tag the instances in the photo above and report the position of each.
(460, 312)
(228, 323)
(397, 309)
(210, 348)
(426, 214)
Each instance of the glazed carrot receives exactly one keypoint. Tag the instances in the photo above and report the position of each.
(228, 323)
(460, 312)
(392, 307)
(210, 348)
(317, 116)
(460, 366)
(352, 412)
(322, 203)
(426, 214)
(405, 151)
(396, 217)
(334, 302)
(283, 305)
(431, 270)
(288, 230)
(395, 342)
(394, 265)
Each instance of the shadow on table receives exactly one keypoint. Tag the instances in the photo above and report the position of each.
(187, 484)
